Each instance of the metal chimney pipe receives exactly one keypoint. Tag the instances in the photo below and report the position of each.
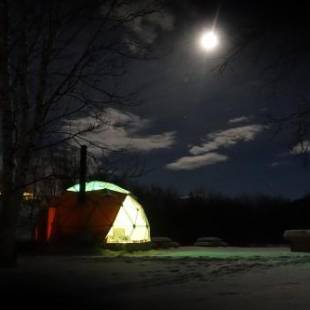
(83, 171)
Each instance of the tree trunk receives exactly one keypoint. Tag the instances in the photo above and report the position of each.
(9, 199)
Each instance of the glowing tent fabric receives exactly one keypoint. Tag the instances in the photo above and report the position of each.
(130, 224)
(98, 185)
(109, 214)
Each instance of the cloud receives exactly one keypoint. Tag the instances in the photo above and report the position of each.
(145, 30)
(132, 122)
(227, 138)
(240, 119)
(302, 147)
(116, 131)
(195, 162)
(145, 20)
(204, 155)
(147, 27)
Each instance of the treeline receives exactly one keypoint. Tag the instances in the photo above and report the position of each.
(239, 221)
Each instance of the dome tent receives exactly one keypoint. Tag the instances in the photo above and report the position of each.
(109, 214)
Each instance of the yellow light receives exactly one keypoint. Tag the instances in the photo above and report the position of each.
(27, 195)
(209, 40)
(130, 225)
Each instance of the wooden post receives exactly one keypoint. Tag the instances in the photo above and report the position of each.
(83, 172)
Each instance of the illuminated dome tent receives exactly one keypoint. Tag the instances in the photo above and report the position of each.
(109, 213)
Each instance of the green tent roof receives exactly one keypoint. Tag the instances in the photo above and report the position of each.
(98, 185)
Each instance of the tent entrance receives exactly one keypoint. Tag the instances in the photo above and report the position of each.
(130, 225)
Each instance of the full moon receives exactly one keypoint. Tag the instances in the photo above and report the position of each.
(209, 40)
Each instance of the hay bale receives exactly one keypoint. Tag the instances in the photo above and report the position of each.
(299, 239)
(210, 242)
(163, 243)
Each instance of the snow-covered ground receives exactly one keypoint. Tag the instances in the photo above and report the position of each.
(183, 278)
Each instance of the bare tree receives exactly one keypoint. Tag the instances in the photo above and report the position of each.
(274, 42)
(58, 60)
(9, 208)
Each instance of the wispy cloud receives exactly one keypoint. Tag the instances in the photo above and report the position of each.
(204, 155)
(144, 20)
(302, 147)
(241, 119)
(194, 162)
(227, 138)
(116, 131)
(147, 27)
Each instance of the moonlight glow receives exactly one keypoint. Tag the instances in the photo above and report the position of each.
(209, 40)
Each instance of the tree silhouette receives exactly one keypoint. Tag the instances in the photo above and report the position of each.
(58, 60)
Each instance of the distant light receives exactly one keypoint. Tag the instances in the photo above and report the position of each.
(209, 40)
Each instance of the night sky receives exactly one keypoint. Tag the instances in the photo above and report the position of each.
(200, 127)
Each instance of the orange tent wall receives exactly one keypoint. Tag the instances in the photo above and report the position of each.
(67, 216)
(43, 229)
(50, 222)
